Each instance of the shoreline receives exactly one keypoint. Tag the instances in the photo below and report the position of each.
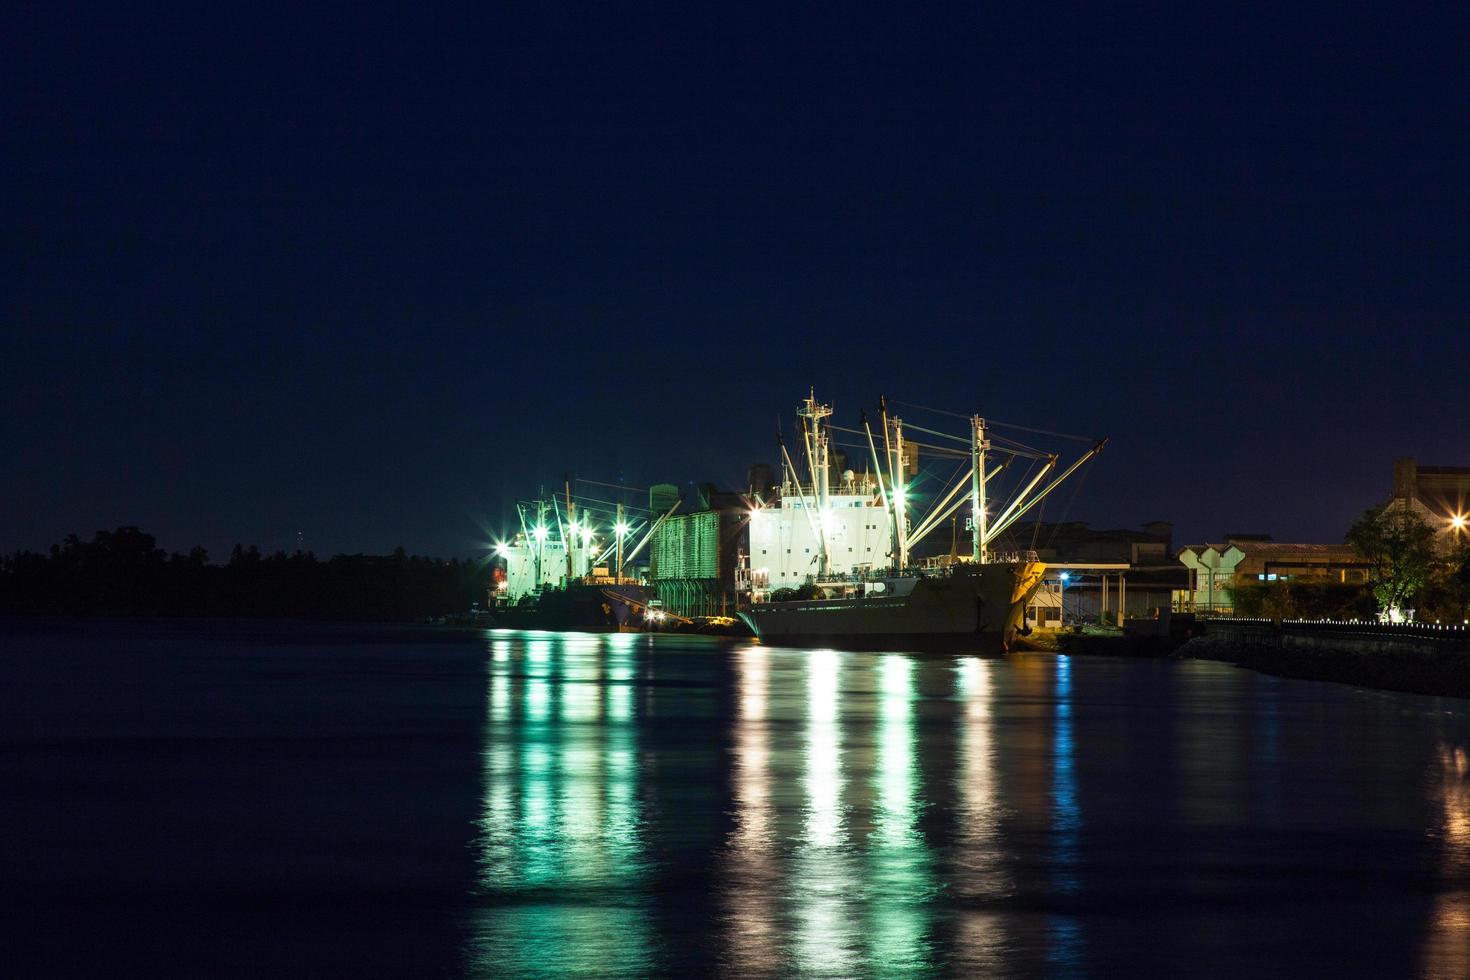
(1439, 673)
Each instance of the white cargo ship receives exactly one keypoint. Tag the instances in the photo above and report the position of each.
(829, 561)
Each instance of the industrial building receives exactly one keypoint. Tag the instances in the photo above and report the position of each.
(1095, 575)
(695, 552)
(1438, 494)
(1215, 570)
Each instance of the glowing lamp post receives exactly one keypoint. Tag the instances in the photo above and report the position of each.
(1062, 597)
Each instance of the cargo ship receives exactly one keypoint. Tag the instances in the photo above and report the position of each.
(829, 561)
(566, 568)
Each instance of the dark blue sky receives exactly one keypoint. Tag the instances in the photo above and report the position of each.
(372, 273)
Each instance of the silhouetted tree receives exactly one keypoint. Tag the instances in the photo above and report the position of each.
(1399, 548)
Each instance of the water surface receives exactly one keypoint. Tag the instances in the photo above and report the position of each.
(214, 799)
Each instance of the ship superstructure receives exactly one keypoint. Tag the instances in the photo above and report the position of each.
(819, 527)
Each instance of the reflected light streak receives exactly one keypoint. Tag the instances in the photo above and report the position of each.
(561, 808)
(979, 856)
(499, 697)
(753, 871)
(901, 878)
(1447, 942)
(824, 885)
(1064, 950)
(824, 750)
(581, 670)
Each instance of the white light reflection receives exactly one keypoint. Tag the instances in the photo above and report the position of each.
(900, 879)
(980, 875)
(754, 869)
(824, 750)
(822, 887)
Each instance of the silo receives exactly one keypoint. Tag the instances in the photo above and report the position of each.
(661, 497)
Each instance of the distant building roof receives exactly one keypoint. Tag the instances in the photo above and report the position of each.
(1279, 549)
(1220, 547)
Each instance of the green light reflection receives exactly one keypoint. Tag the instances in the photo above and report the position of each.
(561, 814)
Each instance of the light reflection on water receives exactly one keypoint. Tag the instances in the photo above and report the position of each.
(820, 888)
(1447, 945)
(979, 868)
(1065, 948)
(324, 801)
(561, 815)
(666, 807)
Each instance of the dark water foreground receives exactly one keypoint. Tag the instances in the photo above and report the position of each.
(283, 800)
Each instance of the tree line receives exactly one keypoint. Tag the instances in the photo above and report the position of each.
(125, 573)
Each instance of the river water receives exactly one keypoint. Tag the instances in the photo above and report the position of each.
(227, 799)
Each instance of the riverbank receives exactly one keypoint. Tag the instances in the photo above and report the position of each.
(1386, 660)
(1441, 673)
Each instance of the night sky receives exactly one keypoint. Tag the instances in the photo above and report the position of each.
(371, 274)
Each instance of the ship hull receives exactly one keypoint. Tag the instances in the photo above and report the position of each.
(975, 609)
(579, 608)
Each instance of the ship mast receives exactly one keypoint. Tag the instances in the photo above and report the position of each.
(572, 528)
(818, 448)
(540, 534)
(619, 529)
(978, 445)
(900, 503)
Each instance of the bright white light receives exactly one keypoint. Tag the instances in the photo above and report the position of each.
(501, 548)
(540, 532)
(898, 493)
(1066, 576)
(1458, 522)
(621, 529)
(586, 537)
